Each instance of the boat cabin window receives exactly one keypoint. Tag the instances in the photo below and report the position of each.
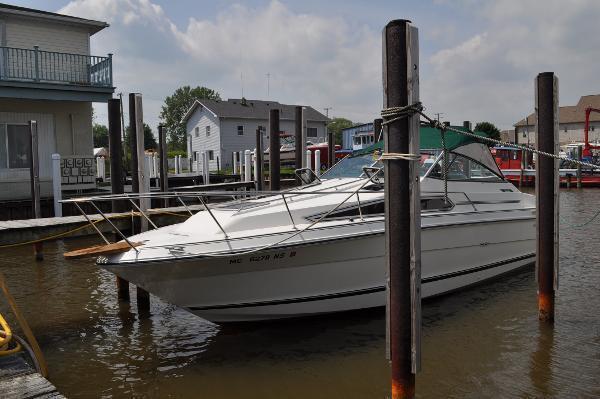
(463, 168)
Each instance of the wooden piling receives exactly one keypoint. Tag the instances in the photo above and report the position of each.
(298, 140)
(546, 187)
(522, 171)
(579, 157)
(402, 207)
(164, 163)
(274, 147)
(116, 175)
(137, 158)
(467, 125)
(330, 149)
(34, 176)
(258, 154)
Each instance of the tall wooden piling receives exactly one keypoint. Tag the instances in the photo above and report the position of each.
(298, 139)
(164, 163)
(116, 174)
(546, 187)
(274, 147)
(34, 176)
(523, 165)
(579, 157)
(330, 149)
(136, 132)
(402, 207)
(258, 154)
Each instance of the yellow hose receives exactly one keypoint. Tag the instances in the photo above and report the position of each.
(6, 338)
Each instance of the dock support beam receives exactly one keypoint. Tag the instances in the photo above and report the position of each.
(298, 140)
(546, 187)
(136, 124)
(116, 174)
(258, 161)
(274, 157)
(34, 175)
(330, 148)
(402, 207)
(164, 163)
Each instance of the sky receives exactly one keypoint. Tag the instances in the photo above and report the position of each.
(478, 58)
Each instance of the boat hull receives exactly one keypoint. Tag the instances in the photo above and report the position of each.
(331, 275)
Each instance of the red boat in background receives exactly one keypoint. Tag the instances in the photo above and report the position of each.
(288, 151)
(510, 162)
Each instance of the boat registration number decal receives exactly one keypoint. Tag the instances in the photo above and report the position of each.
(262, 258)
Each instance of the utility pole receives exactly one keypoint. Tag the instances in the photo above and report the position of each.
(438, 115)
(327, 111)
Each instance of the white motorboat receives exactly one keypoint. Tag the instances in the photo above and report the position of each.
(320, 248)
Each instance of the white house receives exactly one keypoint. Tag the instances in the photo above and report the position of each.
(47, 74)
(224, 127)
(571, 123)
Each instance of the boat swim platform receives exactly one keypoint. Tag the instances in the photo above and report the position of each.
(14, 232)
(19, 380)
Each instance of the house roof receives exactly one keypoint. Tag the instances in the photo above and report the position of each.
(570, 113)
(253, 109)
(92, 25)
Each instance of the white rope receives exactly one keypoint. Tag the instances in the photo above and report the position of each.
(393, 156)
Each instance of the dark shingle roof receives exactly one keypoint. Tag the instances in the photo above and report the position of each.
(254, 109)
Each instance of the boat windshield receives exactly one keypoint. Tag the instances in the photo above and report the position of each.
(351, 166)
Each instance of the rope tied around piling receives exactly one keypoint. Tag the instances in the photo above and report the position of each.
(394, 114)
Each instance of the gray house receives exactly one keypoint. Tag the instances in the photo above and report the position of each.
(47, 74)
(224, 127)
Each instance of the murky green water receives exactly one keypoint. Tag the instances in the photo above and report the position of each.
(485, 342)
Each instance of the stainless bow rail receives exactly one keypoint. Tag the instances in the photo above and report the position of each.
(242, 199)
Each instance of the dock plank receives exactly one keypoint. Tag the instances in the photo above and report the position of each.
(28, 386)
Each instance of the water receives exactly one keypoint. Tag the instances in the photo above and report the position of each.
(484, 342)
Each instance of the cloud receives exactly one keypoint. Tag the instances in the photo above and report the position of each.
(315, 60)
(490, 75)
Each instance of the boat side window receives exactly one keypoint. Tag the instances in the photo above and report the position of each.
(461, 168)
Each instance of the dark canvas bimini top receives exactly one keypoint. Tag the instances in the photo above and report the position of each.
(431, 139)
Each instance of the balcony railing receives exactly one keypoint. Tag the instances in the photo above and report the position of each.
(24, 65)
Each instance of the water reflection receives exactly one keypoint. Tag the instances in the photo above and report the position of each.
(485, 342)
(540, 371)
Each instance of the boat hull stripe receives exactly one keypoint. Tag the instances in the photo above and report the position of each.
(365, 291)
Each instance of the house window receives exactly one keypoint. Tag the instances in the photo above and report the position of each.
(240, 130)
(311, 132)
(211, 155)
(14, 146)
(207, 131)
(197, 131)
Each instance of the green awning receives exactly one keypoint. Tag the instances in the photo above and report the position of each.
(431, 139)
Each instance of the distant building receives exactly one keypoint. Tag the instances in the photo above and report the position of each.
(571, 123)
(47, 74)
(224, 127)
(357, 137)
(508, 135)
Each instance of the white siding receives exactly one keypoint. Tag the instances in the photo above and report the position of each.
(26, 33)
(231, 141)
(12, 180)
(567, 133)
(201, 119)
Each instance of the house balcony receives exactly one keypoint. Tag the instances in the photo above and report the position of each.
(48, 75)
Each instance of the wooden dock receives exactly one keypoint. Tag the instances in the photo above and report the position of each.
(18, 231)
(18, 380)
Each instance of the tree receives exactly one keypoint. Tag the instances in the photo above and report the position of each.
(100, 135)
(489, 128)
(175, 107)
(336, 125)
(149, 139)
